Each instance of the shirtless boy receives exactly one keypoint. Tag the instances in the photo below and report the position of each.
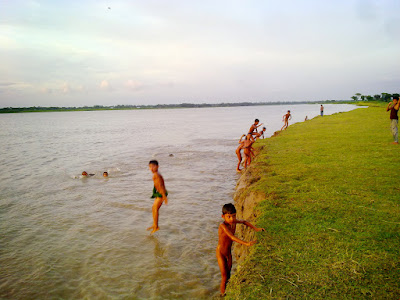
(253, 128)
(239, 155)
(226, 236)
(286, 119)
(247, 150)
(159, 193)
(261, 133)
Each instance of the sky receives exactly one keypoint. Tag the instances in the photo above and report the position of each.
(95, 52)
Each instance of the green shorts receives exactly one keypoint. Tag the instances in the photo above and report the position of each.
(156, 194)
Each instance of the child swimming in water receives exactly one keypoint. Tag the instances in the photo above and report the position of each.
(226, 236)
(159, 193)
(85, 174)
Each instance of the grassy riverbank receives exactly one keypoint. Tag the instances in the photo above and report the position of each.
(332, 214)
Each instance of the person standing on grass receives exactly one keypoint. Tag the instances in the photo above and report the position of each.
(322, 110)
(286, 119)
(394, 119)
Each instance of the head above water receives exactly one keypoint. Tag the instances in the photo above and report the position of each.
(105, 174)
(228, 208)
(84, 173)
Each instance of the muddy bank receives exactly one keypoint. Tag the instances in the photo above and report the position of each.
(245, 203)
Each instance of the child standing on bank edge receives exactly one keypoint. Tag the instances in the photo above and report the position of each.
(159, 193)
(226, 236)
(286, 119)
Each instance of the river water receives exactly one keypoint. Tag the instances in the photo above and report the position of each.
(67, 237)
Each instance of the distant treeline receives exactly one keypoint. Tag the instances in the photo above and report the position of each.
(385, 97)
(158, 106)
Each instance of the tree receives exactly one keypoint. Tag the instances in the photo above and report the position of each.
(354, 98)
(358, 95)
(362, 98)
(377, 97)
(386, 97)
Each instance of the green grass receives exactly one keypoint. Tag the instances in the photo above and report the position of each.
(331, 211)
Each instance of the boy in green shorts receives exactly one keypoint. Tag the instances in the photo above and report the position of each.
(159, 193)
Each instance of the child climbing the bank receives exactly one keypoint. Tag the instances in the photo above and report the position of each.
(239, 155)
(286, 119)
(159, 193)
(247, 150)
(259, 134)
(226, 236)
(253, 128)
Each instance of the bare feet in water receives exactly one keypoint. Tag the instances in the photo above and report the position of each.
(154, 229)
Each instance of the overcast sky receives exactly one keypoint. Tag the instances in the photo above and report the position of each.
(76, 53)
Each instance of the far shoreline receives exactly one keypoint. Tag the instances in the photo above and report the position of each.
(6, 110)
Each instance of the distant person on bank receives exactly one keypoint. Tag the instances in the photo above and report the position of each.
(322, 110)
(286, 119)
(393, 107)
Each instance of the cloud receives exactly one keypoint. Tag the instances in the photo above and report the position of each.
(46, 90)
(66, 89)
(134, 85)
(104, 85)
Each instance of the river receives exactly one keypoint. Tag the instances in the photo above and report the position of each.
(68, 237)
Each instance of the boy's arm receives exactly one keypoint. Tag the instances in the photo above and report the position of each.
(397, 106)
(248, 224)
(234, 238)
(241, 138)
(388, 107)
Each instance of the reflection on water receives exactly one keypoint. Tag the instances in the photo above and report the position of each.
(63, 236)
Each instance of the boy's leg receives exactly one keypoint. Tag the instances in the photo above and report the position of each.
(239, 156)
(229, 266)
(156, 206)
(393, 124)
(225, 271)
(245, 159)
